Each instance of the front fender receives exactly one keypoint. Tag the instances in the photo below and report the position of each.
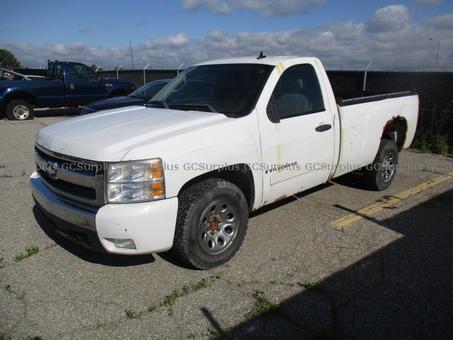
(195, 153)
(13, 93)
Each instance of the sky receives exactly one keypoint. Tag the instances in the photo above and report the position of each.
(411, 34)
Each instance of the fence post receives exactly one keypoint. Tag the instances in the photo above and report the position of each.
(144, 73)
(117, 69)
(179, 68)
(365, 75)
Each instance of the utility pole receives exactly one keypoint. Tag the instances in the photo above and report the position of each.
(437, 55)
(132, 55)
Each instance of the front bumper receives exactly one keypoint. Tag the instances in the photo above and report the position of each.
(151, 225)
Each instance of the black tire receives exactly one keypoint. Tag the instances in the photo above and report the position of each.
(380, 174)
(19, 109)
(202, 218)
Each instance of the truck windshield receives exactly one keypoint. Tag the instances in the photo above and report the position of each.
(231, 89)
(146, 92)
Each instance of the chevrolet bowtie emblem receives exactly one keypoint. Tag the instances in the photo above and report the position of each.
(52, 169)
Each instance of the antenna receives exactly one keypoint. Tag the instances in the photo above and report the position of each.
(261, 56)
(132, 55)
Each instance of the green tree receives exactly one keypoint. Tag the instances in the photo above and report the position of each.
(8, 59)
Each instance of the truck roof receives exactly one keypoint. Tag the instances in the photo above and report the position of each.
(253, 60)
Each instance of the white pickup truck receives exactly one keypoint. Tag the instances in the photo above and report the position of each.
(223, 138)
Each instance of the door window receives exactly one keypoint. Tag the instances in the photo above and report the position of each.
(297, 93)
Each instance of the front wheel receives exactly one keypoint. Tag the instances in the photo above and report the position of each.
(380, 174)
(19, 109)
(211, 224)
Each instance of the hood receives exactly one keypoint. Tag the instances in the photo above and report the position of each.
(113, 103)
(109, 135)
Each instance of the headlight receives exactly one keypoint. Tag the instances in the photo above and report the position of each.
(137, 181)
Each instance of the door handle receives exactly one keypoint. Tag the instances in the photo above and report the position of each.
(323, 127)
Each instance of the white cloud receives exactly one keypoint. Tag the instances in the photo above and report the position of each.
(177, 40)
(441, 22)
(275, 7)
(390, 18)
(265, 7)
(213, 5)
(389, 38)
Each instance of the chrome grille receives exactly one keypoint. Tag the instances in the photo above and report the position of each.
(74, 180)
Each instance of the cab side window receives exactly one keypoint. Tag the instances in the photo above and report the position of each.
(55, 71)
(81, 72)
(297, 93)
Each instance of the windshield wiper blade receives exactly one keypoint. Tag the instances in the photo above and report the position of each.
(195, 106)
(161, 103)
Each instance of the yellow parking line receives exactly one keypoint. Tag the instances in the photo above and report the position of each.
(389, 202)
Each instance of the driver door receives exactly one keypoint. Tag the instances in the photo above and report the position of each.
(82, 85)
(297, 135)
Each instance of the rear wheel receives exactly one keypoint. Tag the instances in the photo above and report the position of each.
(380, 174)
(19, 109)
(211, 225)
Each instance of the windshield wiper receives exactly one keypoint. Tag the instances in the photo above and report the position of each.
(195, 106)
(160, 103)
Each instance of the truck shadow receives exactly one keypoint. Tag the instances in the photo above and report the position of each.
(402, 291)
(352, 180)
(85, 253)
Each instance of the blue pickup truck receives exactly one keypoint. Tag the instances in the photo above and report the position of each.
(68, 84)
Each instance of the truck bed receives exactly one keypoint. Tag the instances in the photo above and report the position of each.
(362, 120)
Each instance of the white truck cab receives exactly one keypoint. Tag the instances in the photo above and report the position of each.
(223, 138)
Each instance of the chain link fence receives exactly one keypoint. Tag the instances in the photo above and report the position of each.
(435, 125)
(139, 77)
